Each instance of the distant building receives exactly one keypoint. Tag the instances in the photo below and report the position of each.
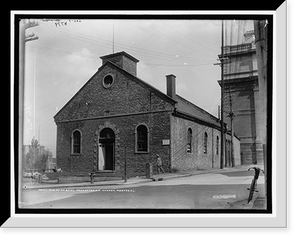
(116, 115)
(241, 86)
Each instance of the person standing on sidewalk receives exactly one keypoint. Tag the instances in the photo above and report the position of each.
(159, 164)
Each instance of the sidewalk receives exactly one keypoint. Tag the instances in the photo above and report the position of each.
(260, 201)
(134, 180)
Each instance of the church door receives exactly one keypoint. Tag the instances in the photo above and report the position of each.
(106, 153)
(101, 157)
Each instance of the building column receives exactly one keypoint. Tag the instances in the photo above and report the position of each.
(259, 125)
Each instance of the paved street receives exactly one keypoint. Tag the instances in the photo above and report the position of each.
(227, 190)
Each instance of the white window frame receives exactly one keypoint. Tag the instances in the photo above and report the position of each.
(72, 143)
(136, 139)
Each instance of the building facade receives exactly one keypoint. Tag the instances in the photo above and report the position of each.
(116, 116)
(242, 97)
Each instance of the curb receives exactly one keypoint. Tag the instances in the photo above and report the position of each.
(72, 185)
(58, 186)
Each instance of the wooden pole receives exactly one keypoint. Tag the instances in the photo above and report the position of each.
(222, 97)
(232, 132)
(125, 166)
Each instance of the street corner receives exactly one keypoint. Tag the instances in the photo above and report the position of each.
(255, 203)
(240, 204)
(260, 203)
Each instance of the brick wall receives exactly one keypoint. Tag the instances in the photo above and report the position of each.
(121, 107)
(124, 96)
(124, 128)
(122, 61)
(197, 159)
(130, 65)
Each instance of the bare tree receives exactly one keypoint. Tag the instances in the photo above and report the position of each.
(36, 157)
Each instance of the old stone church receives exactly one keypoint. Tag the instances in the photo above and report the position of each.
(116, 115)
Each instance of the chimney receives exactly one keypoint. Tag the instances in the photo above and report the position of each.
(171, 86)
(123, 60)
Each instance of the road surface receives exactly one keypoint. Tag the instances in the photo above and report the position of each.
(206, 191)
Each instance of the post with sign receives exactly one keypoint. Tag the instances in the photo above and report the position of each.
(125, 166)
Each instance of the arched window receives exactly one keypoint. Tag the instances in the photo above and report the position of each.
(76, 142)
(205, 142)
(142, 139)
(189, 140)
(217, 146)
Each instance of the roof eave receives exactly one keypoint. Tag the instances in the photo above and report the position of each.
(168, 98)
(196, 119)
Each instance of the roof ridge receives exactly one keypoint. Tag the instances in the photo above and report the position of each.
(115, 65)
(142, 81)
(196, 106)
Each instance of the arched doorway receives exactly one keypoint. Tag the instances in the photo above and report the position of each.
(106, 150)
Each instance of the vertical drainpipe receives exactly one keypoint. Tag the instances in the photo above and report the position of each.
(171, 92)
(171, 142)
(212, 148)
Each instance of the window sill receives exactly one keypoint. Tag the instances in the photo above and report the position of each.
(76, 154)
(141, 152)
(105, 171)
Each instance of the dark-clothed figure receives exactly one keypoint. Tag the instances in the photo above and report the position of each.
(159, 164)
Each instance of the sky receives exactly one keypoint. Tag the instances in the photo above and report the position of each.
(66, 54)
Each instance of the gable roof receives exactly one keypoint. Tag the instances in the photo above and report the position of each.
(145, 84)
(186, 107)
(133, 77)
(183, 106)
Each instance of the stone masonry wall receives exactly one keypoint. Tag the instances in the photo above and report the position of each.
(123, 97)
(122, 107)
(159, 129)
(197, 159)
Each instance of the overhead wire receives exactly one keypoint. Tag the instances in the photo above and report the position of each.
(184, 45)
(201, 45)
(234, 32)
(107, 43)
(62, 51)
(65, 52)
(182, 58)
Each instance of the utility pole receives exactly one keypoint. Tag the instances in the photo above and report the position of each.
(113, 39)
(222, 96)
(31, 37)
(21, 91)
(125, 166)
(221, 59)
(23, 25)
(23, 38)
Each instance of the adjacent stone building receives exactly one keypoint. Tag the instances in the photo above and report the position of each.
(117, 116)
(242, 91)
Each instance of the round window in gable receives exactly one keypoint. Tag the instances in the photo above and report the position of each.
(108, 81)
